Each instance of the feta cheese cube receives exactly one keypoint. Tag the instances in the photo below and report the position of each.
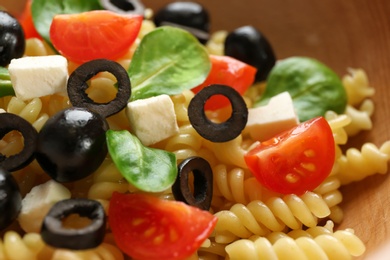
(38, 76)
(152, 119)
(277, 116)
(37, 203)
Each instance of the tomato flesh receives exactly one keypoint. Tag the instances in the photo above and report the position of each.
(227, 71)
(295, 161)
(94, 35)
(26, 21)
(146, 227)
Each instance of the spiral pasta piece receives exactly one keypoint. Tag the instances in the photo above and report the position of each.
(276, 214)
(329, 191)
(37, 47)
(105, 180)
(215, 45)
(32, 247)
(235, 186)
(337, 124)
(356, 165)
(360, 118)
(341, 244)
(357, 86)
(13, 246)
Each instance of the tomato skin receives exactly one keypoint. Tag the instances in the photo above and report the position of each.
(93, 35)
(25, 19)
(306, 151)
(146, 227)
(227, 71)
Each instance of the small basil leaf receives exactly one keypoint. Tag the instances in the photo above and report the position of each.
(314, 87)
(6, 88)
(167, 61)
(148, 169)
(43, 12)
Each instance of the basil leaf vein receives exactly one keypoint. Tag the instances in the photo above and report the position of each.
(167, 61)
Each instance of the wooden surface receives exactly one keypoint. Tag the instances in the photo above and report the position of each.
(342, 34)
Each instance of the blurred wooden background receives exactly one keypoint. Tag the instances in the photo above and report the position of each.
(342, 34)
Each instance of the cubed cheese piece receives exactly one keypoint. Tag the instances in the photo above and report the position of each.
(266, 121)
(37, 203)
(38, 76)
(152, 119)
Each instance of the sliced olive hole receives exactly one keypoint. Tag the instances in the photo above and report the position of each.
(75, 221)
(12, 143)
(123, 5)
(198, 185)
(101, 89)
(222, 114)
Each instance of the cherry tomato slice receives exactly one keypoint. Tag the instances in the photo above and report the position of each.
(226, 70)
(146, 227)
(296, 160)
(25, 19)
(94, 35)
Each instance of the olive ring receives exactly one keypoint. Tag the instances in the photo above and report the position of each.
(218, 132)
(78, 81)
(91, 236)
(203, 183)
(10, 122)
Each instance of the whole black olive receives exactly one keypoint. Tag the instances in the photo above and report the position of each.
(124, 6)
(187, 15)
(72, 144)
(55, 234)
(12, 41)
(10, 199)
(249, 45)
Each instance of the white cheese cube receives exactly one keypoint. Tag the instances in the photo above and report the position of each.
(152, 119)
(37, 203)
(38, 76)
(277, 116)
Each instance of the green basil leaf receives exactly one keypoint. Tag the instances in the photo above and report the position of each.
(148, 169)
(6, 88)
(314, 88)
(167, 61)
(43, 12)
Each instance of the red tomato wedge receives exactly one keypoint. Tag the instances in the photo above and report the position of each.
(295, 161)
(146, 227)
(27, 23)
(93, 35)
(227, 71)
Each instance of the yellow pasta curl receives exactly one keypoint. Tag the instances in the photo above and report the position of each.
(340, 245)
(276, 214)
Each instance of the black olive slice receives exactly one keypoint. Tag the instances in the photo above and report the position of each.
(203, 183)
(10, 122)
(77, 85)
(218, 132)
(55, 234)
(124, 6)
(11, 199)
